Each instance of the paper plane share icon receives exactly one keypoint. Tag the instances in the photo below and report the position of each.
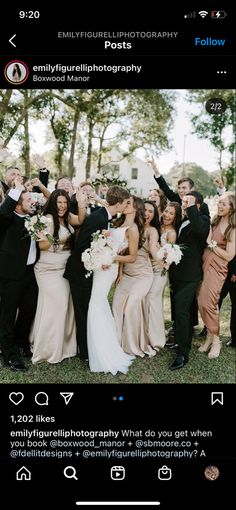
(67, 396)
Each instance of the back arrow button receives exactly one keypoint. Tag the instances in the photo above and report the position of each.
(10, 40)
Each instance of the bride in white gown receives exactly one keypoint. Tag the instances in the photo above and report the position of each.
(105, 352)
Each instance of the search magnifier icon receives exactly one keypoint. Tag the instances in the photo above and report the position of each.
(70, 472)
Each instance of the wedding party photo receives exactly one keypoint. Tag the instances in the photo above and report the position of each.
(117, 236)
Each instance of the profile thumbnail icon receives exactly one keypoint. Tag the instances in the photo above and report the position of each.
(16, 72)
(212, 473)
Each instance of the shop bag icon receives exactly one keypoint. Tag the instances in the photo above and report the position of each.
(164, 473)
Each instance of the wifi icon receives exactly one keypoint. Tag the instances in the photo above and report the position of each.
(203, 14)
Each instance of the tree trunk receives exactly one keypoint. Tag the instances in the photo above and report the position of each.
(220, 151)
(71, 167)
(4, 106)
(22, 116)
(101, 140)
(26, 148)
(59, 153)
(59, 157)
(89, 150)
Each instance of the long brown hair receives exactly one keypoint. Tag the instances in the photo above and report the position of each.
(51, 208)
(178, 214)
(139, 218)
(232, 216)
(163, 198)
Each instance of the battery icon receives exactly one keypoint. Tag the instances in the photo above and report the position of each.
(218, 14)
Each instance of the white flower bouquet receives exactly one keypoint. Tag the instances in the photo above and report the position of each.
(38, 227)
(39, 202)
(110, 179)
(169, 253)
(101, 252)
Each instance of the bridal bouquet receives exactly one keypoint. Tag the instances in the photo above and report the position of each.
(169, 253)
(37, 226)
(101, 252)
(39, 202)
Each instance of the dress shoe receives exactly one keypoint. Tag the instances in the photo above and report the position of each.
(231, 344)
(26, 352)
(202, 333)
(171, 344)
(16, 365)
(171, 332)
(82, 358)
(179, 362)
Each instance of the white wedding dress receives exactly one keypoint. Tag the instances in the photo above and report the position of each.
(104, 350)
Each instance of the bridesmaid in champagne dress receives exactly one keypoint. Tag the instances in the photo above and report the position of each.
(53, 335)
(133, 285)
(154, 314)
(220, 250)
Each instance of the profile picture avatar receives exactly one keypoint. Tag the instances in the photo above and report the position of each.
(16, 72)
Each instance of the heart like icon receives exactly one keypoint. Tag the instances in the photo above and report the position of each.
(16, 398)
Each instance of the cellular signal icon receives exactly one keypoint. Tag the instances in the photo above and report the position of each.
(190, 15)
(203, 14)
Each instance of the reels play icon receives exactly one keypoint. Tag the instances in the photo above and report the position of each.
(117, 473)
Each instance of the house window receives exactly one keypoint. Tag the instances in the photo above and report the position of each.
(134, 173)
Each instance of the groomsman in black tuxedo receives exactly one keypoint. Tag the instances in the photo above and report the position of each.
(75, 271)
(186, 275)
(18, 287)
(185, 186)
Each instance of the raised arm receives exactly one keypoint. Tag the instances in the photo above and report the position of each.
(40, 185)
(75, 220)
(173, 197)
(9, 204)
(200, 223)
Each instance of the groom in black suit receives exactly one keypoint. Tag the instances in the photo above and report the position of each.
(18, 287)
(186, 276)
(75, 272)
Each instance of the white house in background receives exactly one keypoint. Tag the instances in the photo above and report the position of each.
(138, 174)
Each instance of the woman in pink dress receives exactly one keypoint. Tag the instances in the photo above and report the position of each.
(220, 250)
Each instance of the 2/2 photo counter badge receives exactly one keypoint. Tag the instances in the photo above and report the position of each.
(16, 72)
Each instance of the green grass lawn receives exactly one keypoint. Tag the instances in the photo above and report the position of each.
(146, 370)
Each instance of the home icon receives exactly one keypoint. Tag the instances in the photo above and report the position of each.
(23, 474)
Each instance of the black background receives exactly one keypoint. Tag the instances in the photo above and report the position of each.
(165, 65)
(170, 407)
(169, 63)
